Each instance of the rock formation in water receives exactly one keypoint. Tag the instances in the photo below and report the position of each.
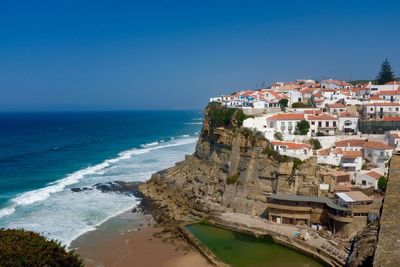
(232, 170)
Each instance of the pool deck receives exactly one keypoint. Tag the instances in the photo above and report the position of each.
(325, 250)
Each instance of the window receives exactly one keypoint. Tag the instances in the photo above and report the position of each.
(327, 124)
(319, 124)
(334, 124)
(313, 123)
(363, 182)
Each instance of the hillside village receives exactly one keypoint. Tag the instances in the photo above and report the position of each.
(350, 127)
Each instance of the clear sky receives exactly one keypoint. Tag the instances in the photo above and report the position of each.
(111, 55)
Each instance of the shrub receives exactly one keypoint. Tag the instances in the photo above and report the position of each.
(320, 134)
(297, 162)
(315, 143)
(233, 179)
(301, 105)
(302, 127)
(25, 248)
(223, 116)
(382, 183)
(278, 136)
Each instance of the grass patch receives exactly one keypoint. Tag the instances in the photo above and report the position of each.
(233, 179)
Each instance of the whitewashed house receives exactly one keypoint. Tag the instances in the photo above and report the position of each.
(330, 156)
(284, 122)
(351, 161)
(323, 123)
(393, 139)
(335, 84)
(351, 144)
(348, 122)
(379, 110)
(368, 179)
(336, 108)
(377, 152)
(292, 149)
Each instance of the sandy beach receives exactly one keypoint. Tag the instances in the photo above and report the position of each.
(133, 240)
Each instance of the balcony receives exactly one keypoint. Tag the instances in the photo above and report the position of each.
(344, 219)
(290, 208)
(348, 164)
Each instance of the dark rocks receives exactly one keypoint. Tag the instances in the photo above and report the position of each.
(121, 187)
(363, 247)
(77, 189)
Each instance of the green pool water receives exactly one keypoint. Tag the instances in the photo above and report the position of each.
(242, 250)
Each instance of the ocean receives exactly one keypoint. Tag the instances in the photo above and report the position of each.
(44, 155)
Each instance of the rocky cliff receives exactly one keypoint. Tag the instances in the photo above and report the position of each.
(232, 170)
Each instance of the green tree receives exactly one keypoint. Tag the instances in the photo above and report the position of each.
(315, 144)
(382, 183)
(302, 127)
(386, 73)
(283, 102)
(25, 248)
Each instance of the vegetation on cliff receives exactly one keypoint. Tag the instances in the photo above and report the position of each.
(25, 248)
(221, 116)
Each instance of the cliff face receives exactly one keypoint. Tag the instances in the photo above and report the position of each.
(230, 171)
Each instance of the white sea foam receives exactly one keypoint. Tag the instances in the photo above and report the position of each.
(39, 195)
(193, 123)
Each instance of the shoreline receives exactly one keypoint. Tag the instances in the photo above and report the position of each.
(132, 239)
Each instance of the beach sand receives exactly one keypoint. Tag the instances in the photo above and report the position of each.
(123, 241)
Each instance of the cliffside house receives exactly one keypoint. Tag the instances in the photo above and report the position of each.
(377, 152)
(393, 139)
(323, 123)
(348, 122)
(377, 111)
(346, 213)
(293, 149)
(284, 122)
(368, 179)
(336, 108)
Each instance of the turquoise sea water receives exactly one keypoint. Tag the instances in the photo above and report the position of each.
(44, 155)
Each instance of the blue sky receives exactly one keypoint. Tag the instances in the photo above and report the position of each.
(112, 55)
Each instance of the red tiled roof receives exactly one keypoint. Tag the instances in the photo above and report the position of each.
(352, 154)
(321, 117)
(376, 145)
(350, 142)
(374, 175)
(324, 152)
(387, 118)
(348, 115)
(389, 92)
(337, 105)
(375, 97)
(287, 117)
(395, 135)
(385, 104)
(291, 145)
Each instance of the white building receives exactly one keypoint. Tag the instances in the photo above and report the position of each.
(377, 152)
(348, 122)
(284, 122)
(292, 149)
(393, 139)
(368, 179)
(335, 84)
(336, 108)
(379, 110)
(323, 123)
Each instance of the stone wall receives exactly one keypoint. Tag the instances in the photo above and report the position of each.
(388, 247)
